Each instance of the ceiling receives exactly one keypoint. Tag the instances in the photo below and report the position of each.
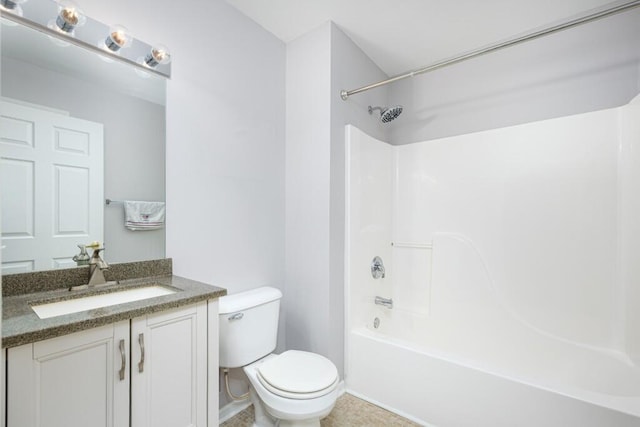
(403, 35)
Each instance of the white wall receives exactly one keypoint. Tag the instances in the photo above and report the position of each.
(225, 139)
(319, 64)
(308, 154)
(587, 68)
(134, 146)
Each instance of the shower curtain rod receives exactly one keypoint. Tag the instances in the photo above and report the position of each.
(345, 94)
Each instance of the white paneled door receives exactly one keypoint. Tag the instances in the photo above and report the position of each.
(51, 187)
(76, 380)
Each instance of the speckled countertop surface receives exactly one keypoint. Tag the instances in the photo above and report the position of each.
(21, 325)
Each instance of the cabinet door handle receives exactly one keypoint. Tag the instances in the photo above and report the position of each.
(123, 355)
(141, 363)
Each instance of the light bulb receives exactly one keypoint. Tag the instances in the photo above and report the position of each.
(159, 55)
(118, 38)
(12, 6)
(69, 16)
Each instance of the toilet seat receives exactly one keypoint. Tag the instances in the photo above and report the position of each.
(298, 375)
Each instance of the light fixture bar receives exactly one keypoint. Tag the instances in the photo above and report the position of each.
(345, 94)
(85, 44)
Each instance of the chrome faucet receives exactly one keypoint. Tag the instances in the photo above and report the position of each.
(96, 265)
(385, 302)
(83, 257)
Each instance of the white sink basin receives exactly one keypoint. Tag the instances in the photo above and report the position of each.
(75, 305)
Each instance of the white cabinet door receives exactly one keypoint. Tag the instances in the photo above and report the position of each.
(71, 381)
(51, 187)
(169, 368)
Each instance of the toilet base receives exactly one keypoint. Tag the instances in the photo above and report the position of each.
(264, 419)
(272, 410)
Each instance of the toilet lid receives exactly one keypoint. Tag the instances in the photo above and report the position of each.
(298, 372)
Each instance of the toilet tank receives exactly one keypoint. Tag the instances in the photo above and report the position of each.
(248, 326)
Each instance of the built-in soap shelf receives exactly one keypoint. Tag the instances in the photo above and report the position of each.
(415, 245)
(411, 268)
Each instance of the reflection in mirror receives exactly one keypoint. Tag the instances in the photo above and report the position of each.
(76, 128)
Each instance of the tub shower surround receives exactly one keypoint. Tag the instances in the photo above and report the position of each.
(509, 259)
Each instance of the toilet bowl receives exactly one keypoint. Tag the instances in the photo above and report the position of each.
(291, 389)
(296, 388)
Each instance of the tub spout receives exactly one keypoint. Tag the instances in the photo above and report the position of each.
(385, 302)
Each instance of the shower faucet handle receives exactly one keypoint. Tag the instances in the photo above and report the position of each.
(377, 268)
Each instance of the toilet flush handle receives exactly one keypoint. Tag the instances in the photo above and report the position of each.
(236, 316)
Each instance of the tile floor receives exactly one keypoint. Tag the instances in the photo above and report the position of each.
(348, 412)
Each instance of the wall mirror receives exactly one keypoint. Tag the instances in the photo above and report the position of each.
(76, 128)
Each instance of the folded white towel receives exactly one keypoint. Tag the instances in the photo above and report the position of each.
(143, 215)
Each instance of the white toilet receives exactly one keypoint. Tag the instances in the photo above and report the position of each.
(295, 388)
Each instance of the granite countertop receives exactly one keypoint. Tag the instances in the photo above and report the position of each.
(21, 325)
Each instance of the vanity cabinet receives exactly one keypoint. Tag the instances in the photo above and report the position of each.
(149, 371)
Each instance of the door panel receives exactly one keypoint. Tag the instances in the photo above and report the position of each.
(51, 186)
(170, 388)
(18, 193)
(70, 381)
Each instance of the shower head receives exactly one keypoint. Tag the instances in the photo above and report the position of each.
(387, 114)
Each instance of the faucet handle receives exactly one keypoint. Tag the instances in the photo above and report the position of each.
(93, 245)
(96, 252)
(97, 248)
(97, 260)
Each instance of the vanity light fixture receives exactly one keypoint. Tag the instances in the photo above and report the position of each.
(69, 17)
(12, 6)
(159, 55)
(117, 39)
(66, 24)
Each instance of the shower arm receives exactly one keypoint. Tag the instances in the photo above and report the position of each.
(345, 94)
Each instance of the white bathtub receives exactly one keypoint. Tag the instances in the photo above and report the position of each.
(438, 389)
(458, 355)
